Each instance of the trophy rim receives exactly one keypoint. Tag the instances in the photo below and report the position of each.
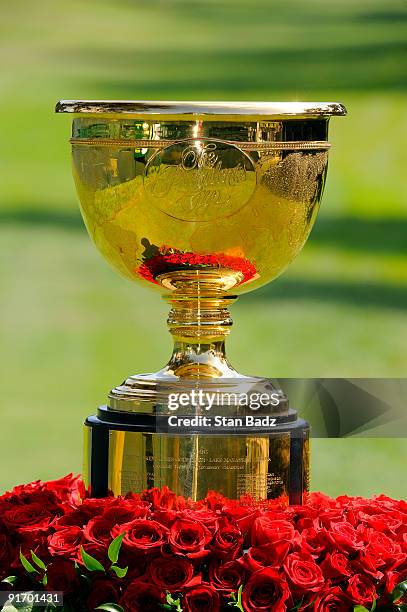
(208, 109)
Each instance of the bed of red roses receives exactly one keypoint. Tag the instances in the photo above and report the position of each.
(158, 551)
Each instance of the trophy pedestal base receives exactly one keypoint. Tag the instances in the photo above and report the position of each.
(126, 452)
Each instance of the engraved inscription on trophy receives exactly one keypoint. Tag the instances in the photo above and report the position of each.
(200, 180)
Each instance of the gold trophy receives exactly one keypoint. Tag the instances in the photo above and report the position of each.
(200, 201)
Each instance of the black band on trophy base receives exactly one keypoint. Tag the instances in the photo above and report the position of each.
(99, 464)
(131, 452)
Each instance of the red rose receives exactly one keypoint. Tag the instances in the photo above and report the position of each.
(335, 566)
(140, 596)
(266, 529)
(402, 535)
(333, 599)
(301, 512)
(24, 489)
(102, 591)
(171, 573)
(268, 555)
(163, 499)
(203, 515)
(361, 589)
(385, 549)
(366, 563)
(311, 541)
(137, 565)
(125, 511)
(29, 517)
(142, 535)
(383, 521)
(226, 577)
(189, 538)
(227, 540)
(303, 573)
(68, 489)
(243, 516)
(305, 517)
(335, 515)
(201, 597)
(165, 517)
(306, 522)
(320, 500)
(266, 590)
(98, 530)
(77, 518)
(62, 576)
(345, 537)
(391, 504)
(5, 556)
(32, 495)
(215, 501)
(65, 542)
(95, 506)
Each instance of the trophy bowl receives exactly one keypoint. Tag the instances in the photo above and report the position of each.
(201, 202)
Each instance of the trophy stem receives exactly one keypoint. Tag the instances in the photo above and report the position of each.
(199, 321)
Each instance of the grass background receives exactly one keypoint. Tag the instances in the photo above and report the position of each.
(71, 329)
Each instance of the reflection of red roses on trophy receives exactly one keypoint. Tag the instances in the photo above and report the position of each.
(158, 260)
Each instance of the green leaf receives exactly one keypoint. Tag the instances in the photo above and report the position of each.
(114, 547)
(110, 607)
(173, 604)
(303, 606)
(237, 602)
(38, 561)
(360, 609)
(119, 571)
(399, 591)
(373, 608)
(27, 565)
(10, 579)
(91, 564)
(297, 606)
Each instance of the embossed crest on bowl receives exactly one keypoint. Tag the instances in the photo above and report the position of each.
(200, 179)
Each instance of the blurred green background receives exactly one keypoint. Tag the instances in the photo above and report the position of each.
(71, 329)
